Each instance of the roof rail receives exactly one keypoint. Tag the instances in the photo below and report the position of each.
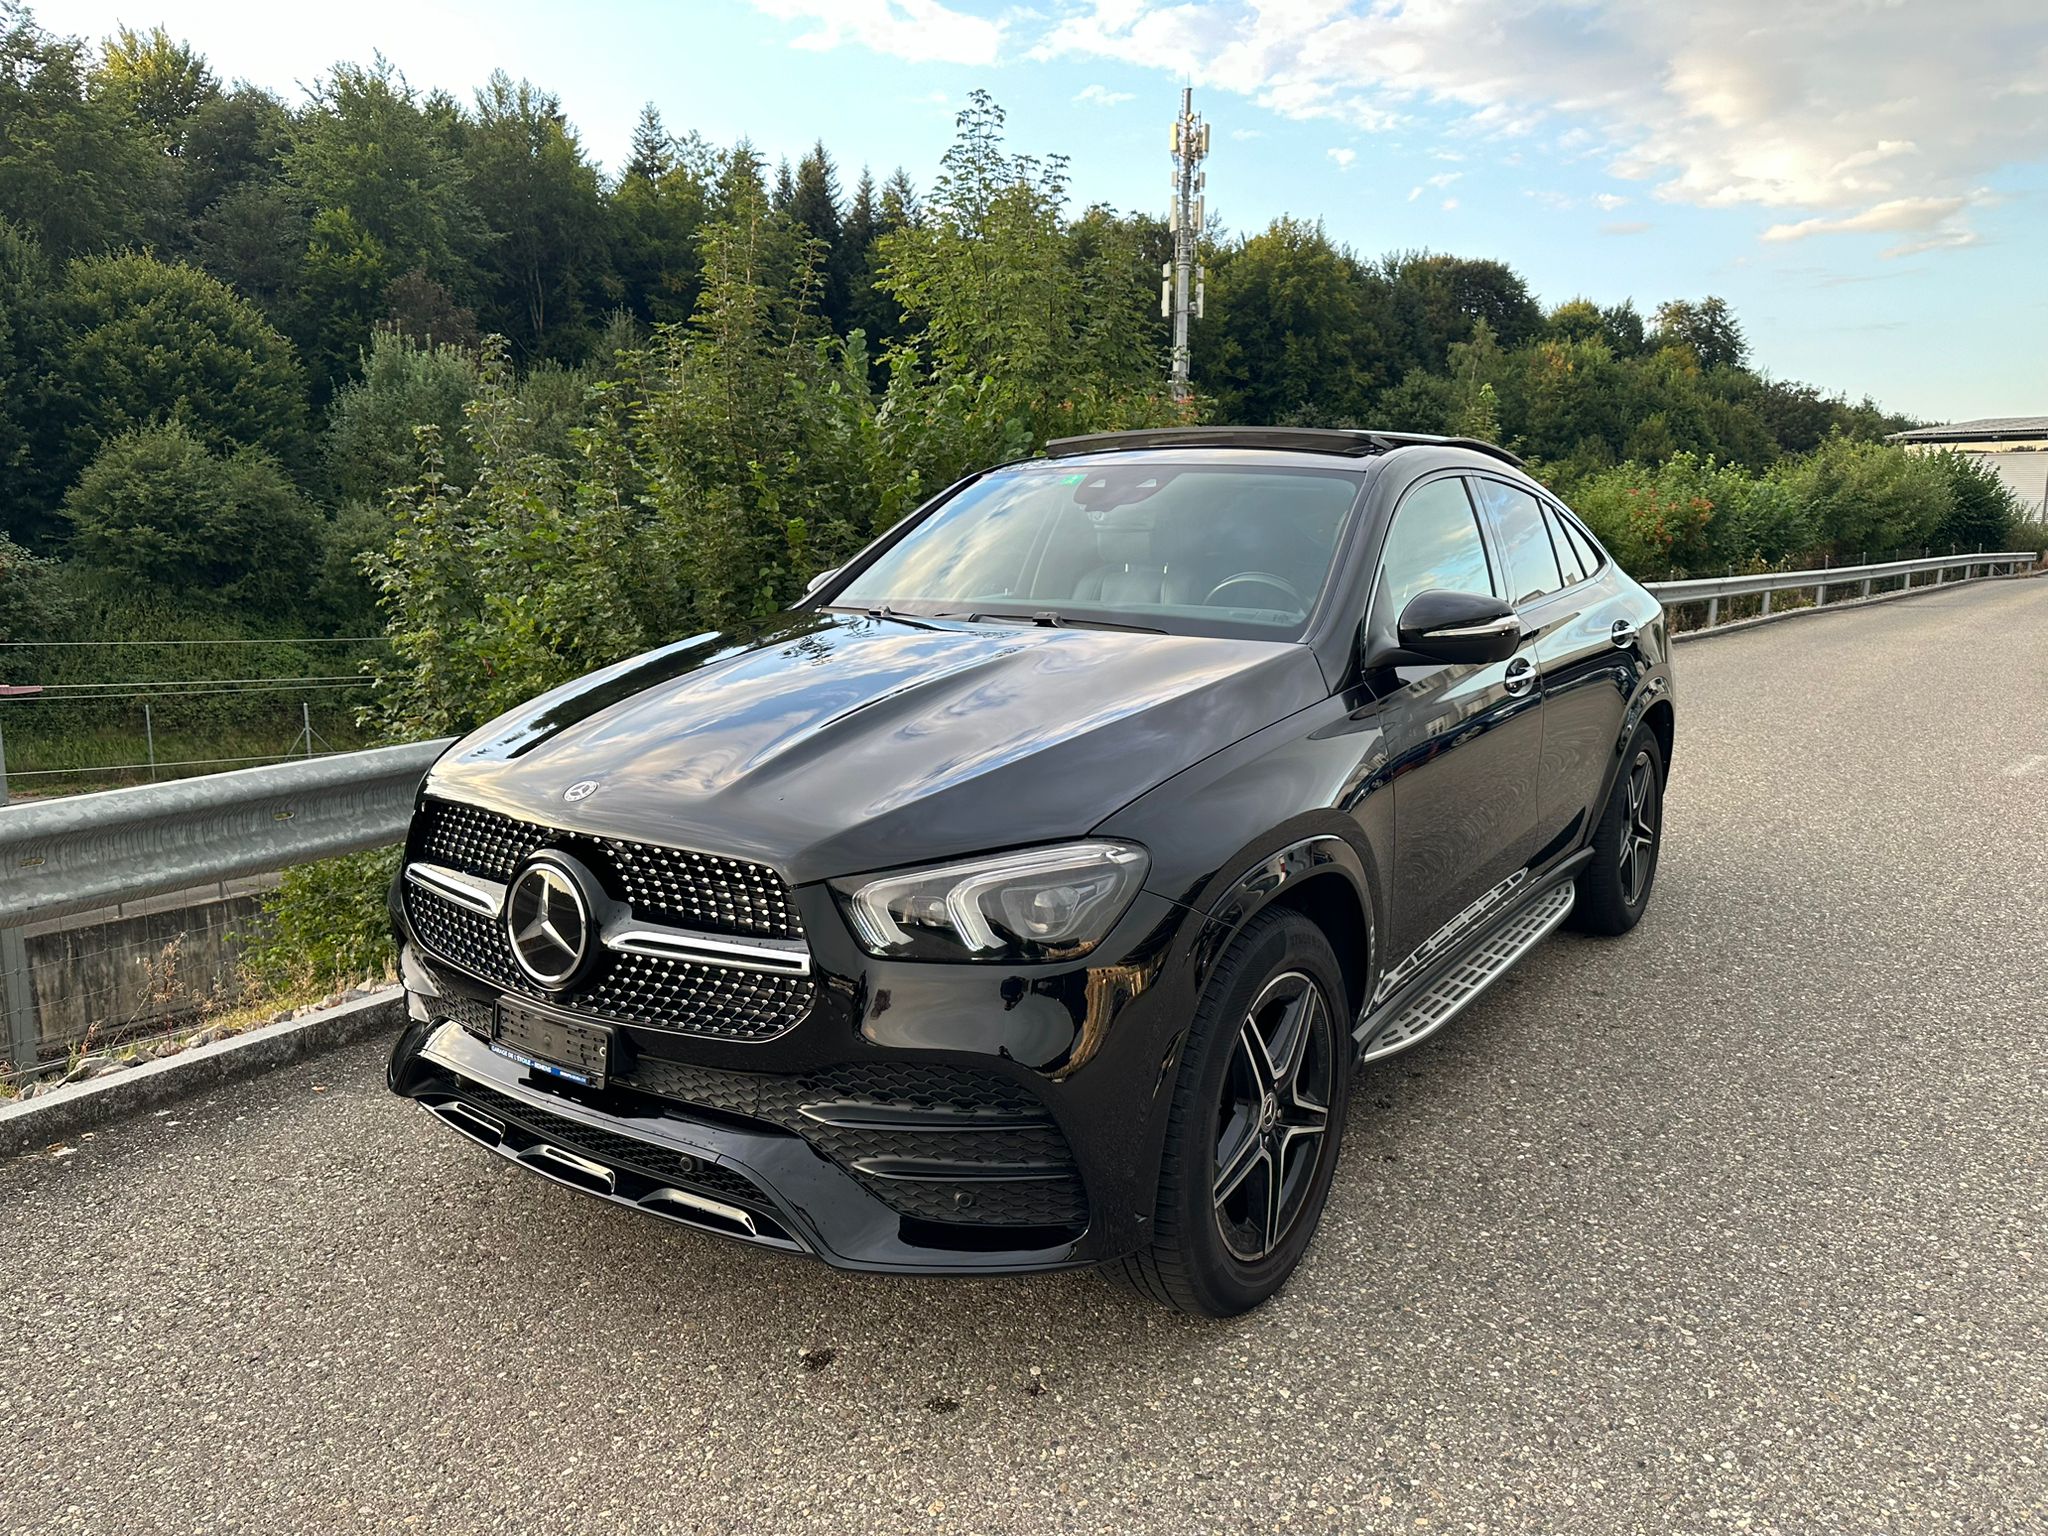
(1353, 442)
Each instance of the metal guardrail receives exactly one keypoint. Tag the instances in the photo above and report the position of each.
(87, 851)
(1712, 589)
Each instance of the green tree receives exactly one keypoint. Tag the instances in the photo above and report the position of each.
(814, 209)
(74, 168)
(160, 81)
(541, 199)
(379, 166)
(1286, 338)
(156, 511)
(145, 342)
(371, 448)
(1708, 329)
(28, 449)
(871, 309)
(654, 217)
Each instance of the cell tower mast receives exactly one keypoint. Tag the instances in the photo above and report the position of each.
(1181, 279)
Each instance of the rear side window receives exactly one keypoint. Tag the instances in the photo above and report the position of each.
(1581, 541)
(1433, 546)
(1530, 563)
(1568, 562)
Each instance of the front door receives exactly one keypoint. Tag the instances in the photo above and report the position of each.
(1463, 742)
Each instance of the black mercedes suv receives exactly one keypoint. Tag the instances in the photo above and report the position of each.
(1028, 895)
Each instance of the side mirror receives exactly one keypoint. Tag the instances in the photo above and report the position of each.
(819, 580)
(1463, 628)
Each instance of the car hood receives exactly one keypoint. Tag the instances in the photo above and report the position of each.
(839, 743)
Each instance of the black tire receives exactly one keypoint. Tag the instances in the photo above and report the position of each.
(1217, 1255)
(1614, 890)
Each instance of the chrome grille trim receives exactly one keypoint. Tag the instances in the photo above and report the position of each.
(780, 957)
(484, 897)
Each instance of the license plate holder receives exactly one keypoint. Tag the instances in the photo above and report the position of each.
(576, 1053)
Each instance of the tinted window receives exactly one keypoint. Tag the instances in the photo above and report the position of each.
(1567, 557)
(1433, 546)
(1187, 548)
(1524, 544)
(1582, 542)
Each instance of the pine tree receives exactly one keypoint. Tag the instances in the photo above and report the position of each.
(813, 208)
(654, 153)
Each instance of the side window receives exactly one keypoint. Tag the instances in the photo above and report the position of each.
(1568, 562)
(1581, 541)
(1434, 545)
(1531, 564)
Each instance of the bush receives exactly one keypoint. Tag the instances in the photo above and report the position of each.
(326, 923)
(33, 604)
(155, 511)
(1870, 498)
(371, 447)
(1985, 512)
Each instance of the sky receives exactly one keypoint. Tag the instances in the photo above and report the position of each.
(1866, 181)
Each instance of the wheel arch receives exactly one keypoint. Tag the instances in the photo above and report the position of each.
(1323, 877)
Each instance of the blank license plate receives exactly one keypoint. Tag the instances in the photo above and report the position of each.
(580, 1053)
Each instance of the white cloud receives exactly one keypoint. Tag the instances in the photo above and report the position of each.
(1607, 202)
(920, 31)
(1625, 227)
(1241, 134)
(1936, 223)
(1102, 96)
(1343, 157)
(1841, 107)
(1450, 205)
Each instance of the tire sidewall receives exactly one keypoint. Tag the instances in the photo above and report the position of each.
(1275, 943)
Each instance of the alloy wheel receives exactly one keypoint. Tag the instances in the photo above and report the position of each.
(1637, 856)
(1275, 1115)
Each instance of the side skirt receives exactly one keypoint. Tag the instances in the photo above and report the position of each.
(1433, 1000)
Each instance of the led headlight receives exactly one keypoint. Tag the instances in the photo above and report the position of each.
(1036, 904)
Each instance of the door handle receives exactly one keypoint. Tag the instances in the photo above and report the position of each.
(1623, 633)
(1521, 675)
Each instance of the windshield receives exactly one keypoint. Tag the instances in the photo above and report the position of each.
(1223, 550)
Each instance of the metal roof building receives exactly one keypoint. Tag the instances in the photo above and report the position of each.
(2015, 446)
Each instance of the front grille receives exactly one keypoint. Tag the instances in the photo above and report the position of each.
(1010, 1167)
(661, 884)
(706, 1000)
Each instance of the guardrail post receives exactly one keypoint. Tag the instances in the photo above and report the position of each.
(17, 989)
(1820, 595)
(1866, 586)
(1767, 605)
(1713, 611)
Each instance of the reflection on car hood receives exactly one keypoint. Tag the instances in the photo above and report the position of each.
(840, 743)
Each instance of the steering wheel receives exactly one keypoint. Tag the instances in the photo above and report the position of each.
(1296, 602)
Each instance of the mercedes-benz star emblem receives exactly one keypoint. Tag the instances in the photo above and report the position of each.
(582, 789)
(549, 923)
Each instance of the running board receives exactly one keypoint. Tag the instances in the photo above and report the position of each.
(1472, 975)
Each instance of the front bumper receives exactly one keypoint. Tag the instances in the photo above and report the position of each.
(930, 1118)
(754, 1183)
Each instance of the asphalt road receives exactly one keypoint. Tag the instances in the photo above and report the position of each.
(1739, 1223)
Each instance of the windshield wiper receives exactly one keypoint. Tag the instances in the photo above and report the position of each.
(1047, 618)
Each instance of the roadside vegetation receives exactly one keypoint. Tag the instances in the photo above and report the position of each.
(414, 392)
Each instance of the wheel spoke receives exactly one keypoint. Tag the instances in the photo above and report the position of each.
(1290, 1040)
(1258, 1060)
(1234, 1168)
(1276, 1187)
